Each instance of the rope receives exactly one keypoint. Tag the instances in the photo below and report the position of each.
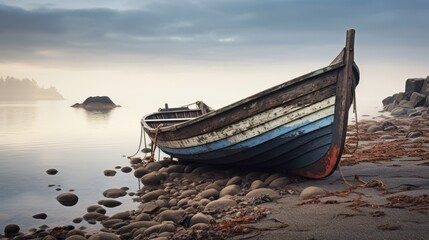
(140, 142)
(153, 147)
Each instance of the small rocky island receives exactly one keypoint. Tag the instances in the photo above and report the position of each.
(414, 101)
(96, 103)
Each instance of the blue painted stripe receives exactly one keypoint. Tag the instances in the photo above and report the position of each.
(303, 127)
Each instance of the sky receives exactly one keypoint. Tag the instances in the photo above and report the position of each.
(218, 51)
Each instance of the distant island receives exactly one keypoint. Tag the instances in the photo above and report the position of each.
(25, 89)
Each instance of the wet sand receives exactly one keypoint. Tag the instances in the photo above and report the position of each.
(383, 194)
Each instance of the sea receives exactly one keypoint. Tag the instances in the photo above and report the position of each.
(38, 135)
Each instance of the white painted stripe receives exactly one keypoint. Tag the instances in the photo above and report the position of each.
(257, 124)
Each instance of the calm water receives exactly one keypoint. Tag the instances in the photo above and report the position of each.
(36, 136)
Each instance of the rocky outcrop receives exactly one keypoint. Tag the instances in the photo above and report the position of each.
(96, 103)
(413, 102)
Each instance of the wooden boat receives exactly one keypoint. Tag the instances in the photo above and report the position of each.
(298, 126)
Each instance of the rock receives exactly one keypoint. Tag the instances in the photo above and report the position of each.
(48, 237)
(386, 124)
(261, 192)
(136, 225)
(209, 193)
(200, 226)
(149, 207)
(75, 232)
(374, 128)
(399, 96)
(425, 87)
(109, 223)
(176, 168)
(310, 192)
(271, 178)
(417, 99)
(153, 178)
(104, 236)
(135, 160)
(414, 113)
(52, 171)
(234, 180)
(171, 215)
(110, 203)
(172, 202)
(230, 190)
(414, 134)
(413, 85)
(92, 208)
(143, 217)
(399, 111)
(121, 215)
(391, 128)
(257, 184)
(92, 216)
(67, 199)
(96, 103)
(221, 182)
(280, 182)
(11, 229)
(40, 216)
(114, 193)
(153, 166)
(214, 186)
(201, 170)
(76, 237)
(220, 204)
(163, 227)
(140, 172)
(126, 169)
(387, 137)
(153, 195)
(109, 173)
(199, 218)
(388, 100)
(77, 220)
(406, 104)
(188, 193)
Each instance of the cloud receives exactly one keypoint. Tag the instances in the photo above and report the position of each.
(205, 29)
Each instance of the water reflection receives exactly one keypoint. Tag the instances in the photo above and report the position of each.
(98, 116)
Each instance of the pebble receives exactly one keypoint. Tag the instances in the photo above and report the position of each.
(111, 222)
(75, 232)
(271, 178)
(149, 207)
(40, 216)
(257, 184)
(110, 203)
(121, 215)
(76, 237)
(220, 204)
(374, 128)
(200, 226)
(213, 185)
(126, 169)
(77, 220)
(136, 225)
(153, 178)
(153, 166)
(52, 171)
(171, 215)
(163, 227)
(280, 182)
(143, 217)
(387, 137)
(234, 180)
(414, 134)
(230, 190)
(92, 216)
(153, 195)
(188, 193)
(209, 193)
(109, 173)
(135, 160)
(273, 195)
(11, 229)
(199, 218)
(118, 167)
(104, 236)
(67, 199)
(140, 172)
(310, 192)
(114, 193)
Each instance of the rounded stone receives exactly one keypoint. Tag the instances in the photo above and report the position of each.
(140, 172)
(200, 226)
(126, 169)
(109, 173)
(92, 216)
(176, 168)
(40, 216)
(188, 193)
(111, 222)
(52, 171)
(136, 225)
(199, 218)
(121, 215)
(220, 204)
(104, 236)
(153, 195)
(209, 193)
(280, 182)
(260, 192)
(257, 184)
(230, 190)
(114, 193)
(374, 128)
(11, 229)
(110, 203)
(163, 227)
(76, 237)
(153, 166)
(153, 178)
(213, 185)
(414, 134)
(271, 178)
(143, 217)
(171, 215)
(310, 192)
(75, 232)
(77, 220)
(67, 199)
(234, 180)
(135, 160)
